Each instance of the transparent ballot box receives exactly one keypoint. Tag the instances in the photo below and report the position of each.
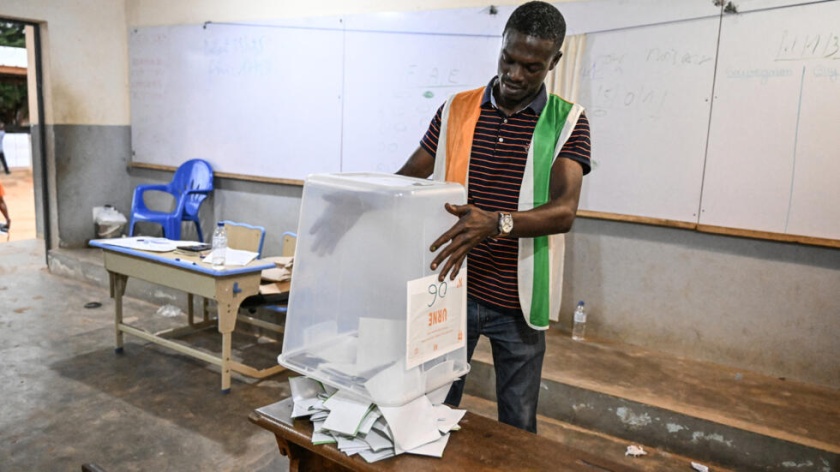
(366, 313)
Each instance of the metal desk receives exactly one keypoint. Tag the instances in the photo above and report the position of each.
(228, 286)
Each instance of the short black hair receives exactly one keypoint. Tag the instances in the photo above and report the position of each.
(539, 19)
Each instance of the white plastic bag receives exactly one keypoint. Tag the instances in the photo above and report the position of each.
(108, 222)
(169, 311)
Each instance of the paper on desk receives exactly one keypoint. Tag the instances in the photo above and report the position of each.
(319, 435)
(413, 424)
(234, 257)
(304, 407)
(372, 456)
(143, 243)
(346, 412)
(369, 420)
(378, 441)
(357, 426)
(351, 446)
(434, 448)
(318, 415)
(447, 418)
(305, 393)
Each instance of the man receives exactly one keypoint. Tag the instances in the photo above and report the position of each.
(522, 154)
(4, 228)
(2, 155)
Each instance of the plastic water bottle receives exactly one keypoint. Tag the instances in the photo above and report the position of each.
(219, 246)
(579, 326)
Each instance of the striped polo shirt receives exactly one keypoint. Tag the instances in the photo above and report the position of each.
(497, 164)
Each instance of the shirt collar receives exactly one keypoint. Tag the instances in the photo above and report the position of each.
(537, 104)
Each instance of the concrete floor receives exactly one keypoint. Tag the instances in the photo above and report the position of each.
(68, 399)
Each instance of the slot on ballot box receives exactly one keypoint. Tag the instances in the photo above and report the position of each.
(366, 313)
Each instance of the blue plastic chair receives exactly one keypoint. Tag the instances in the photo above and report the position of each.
(190, 185)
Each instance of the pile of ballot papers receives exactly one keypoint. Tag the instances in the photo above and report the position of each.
(358, 426)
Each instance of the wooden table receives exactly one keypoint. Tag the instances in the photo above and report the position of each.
(229, 286)
(481, 444)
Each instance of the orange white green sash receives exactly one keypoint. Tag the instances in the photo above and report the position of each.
(540, 270)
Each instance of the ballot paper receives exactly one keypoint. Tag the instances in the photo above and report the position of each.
(346, 412)
(413, 424)
(447, 418)
(321, 436)
(434, 448)
(305, 393)
(357, 426)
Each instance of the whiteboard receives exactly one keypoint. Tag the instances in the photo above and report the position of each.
(291, 98)
(254, 100)
(399, 68)
(387, 113)
(774, 148)
(647, 94)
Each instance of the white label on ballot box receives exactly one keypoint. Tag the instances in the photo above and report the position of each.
(437, 322)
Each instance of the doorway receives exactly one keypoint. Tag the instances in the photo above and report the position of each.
(20, 98)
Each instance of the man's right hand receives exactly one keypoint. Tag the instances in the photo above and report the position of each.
(474, 225)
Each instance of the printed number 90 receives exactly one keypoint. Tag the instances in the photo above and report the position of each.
(437, 291)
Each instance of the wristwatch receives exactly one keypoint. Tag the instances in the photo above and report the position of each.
(505, 224)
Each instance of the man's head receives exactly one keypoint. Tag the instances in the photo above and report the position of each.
(530, 49)
(538, 19)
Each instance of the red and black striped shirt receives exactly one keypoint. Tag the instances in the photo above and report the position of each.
(497, 163)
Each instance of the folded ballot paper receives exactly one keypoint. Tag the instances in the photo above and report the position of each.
(358, 426)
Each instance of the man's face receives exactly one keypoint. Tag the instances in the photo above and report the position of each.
(524, 61)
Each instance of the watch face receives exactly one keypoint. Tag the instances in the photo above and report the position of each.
(505, 223)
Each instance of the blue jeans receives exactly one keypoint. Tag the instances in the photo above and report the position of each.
(518, 352)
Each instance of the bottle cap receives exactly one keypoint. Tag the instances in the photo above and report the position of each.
(580, 303)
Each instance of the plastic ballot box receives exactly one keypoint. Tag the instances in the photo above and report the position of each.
(366, 313)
